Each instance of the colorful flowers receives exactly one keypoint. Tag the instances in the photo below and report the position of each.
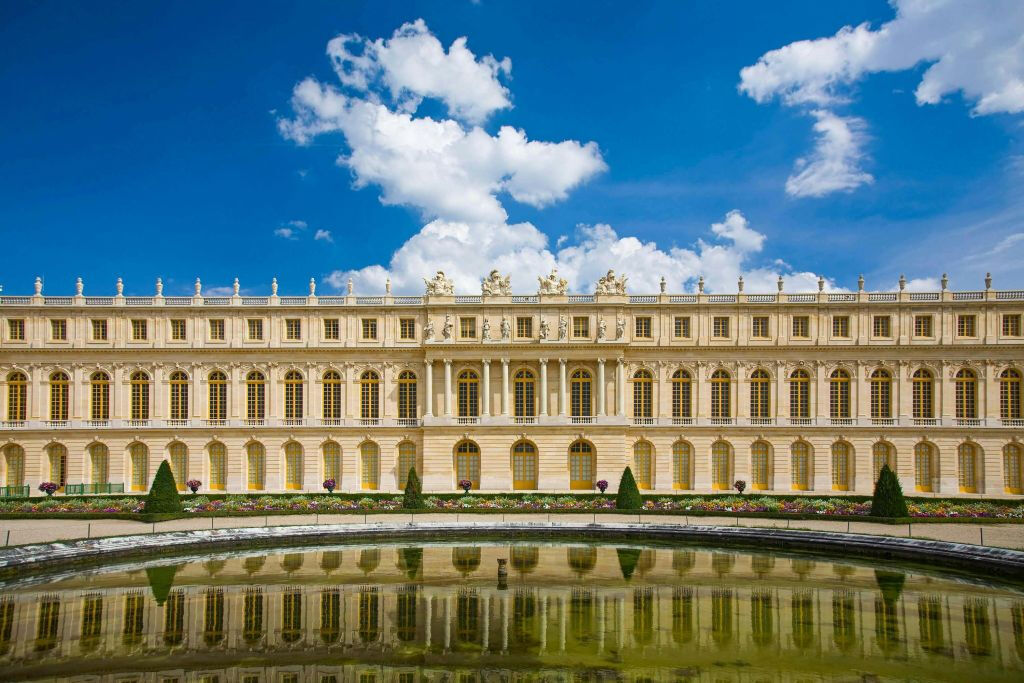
(465, 485)
(330, 484)
(193, 485)
(48, 487)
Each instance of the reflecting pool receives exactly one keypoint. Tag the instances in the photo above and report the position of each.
(563, 612)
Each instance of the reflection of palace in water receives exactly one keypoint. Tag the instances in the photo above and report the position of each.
(565, 613)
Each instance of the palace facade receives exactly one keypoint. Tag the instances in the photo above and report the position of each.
(543, 392)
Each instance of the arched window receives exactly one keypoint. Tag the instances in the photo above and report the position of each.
(369, 395)
(99, 393)
(523, 394)
(923, 393)
(256, 460)
(17, 397)
(682, 393)
(581, 465)
(760, 394)
(139, 395)
(467, 463)
(407, 405)
(967, 455)
(643, 394)
(58, 456)
(924, 466)
(332, 395)
(292, 466)
(882, 453)
(369, 454)
(643, 462)
(1009, 395)
(218, 394)
(332, 462)
(800, 463)
(799, 395)
(881, 395)
(524, 466)
(99, 464)
(14, 464)
(179, 395)
(721, 466)
(293, 395)
(839, 395)
(139, 456)
(842, 466)
(469, 394)
(1013, 474)
(59, 388)
(406, 462)
(179, 464)
(255, 396)
(580, 394)
(760, 466)
(721, 405)
(218, 466)
(966, 395)
(682, 465)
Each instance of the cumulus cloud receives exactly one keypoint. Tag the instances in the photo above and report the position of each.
(323, 235)
(291, 229)
(835, 163)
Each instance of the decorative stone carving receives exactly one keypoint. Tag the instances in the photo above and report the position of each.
(620, 328)
(552, 284)
(38, 286)
(312, 287)
(563, 328)
(234, 288)
(544, 329)
(79, 286)
(439, 285)
(120, 287)
(496, 285)
(487, 329)
(506, 329)
(273, 287)
(199, 287)
(609, 284)
(428, 330)
(446, 331)
(602, 329)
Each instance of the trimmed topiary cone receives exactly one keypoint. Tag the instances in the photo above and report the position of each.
(888, 500)
(413, 498)
(163, 495)
(628, 497)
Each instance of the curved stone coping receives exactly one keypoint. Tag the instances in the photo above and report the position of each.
(978, 559)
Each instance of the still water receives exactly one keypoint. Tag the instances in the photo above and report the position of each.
(441, 612)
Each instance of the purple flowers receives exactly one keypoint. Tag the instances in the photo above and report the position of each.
(740, 486)
(465, 485)
(48, 487)
(193, 485)
(602, 485)
(330, 484)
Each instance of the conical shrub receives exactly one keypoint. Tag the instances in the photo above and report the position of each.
(413, 498)
(163, 495)
(888, 500)
(628, 497)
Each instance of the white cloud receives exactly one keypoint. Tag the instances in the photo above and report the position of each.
(921, 284)
(324, 235)
(835, 163)
(291, 229)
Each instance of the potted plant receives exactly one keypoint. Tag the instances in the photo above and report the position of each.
(602, 485)
(193, 485)
(48, 487)
(740, 486)
(465, 485)
(330, 484)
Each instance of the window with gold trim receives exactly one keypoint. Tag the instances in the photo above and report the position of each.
(293, 469)
(839, 395)
(256, 468)
(60, 387)
(369, 328)
(800, 465)
(140, 330)
(524, 466)
(581, 465)
(332, 395)
(59, 329)
(99, 393)
(841, 326)
(99, 463)
(759, 327)
(293, 399)
(218, 466)
(178, 330)
(966, 394)
(99, 330)
(406, 462)
(682, 465)
(524, 394)
(58, 457)
(14, 461)
(882, 453)
(255, 329)
(15, 329)
(369, 395)
(580, 327)
(881, 394)
(881, 326)
(407, 328)
(681, 327)
(332, 461)
(1011, 324)
(924, 466)
(721, 399)
(179, 463)
(643, 394)
(218, 396)
(408, 408)
(642, 327)
(922, 395)
(682, 392)
(524, 327)
(216, 327)
(255, 396)
(720, 327)
(760, 394)
(1009, 394)
(17, 397)
(293, 329)
(967, 457)
(643, 463)
(801, 327)
(139, 458)
(332, 329)
(1013, 468)
(369, 455)
(967, 325)
(468, 393)
(580, 387)
(923, 326)
(721, 466)
(760, 466)
(799, 395)
(842, 466)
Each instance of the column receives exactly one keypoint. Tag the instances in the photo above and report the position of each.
(447, 388)
(600, 386)
(485, 643)
(544, 386)
(620, 387)
(504, 387)
(428, 617)
(428, 399)
(562, 399)
(447, 621)
(485, 408)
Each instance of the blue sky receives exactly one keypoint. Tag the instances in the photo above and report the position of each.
(162, 139)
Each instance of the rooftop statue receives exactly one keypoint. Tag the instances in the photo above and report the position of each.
(609, 284)
(439, 285)
(552, 284)
(496, 285)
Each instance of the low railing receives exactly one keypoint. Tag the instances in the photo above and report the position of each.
(643, 421)
(762, 421)
(525, 298)
(582, 419)
(582, 298)
(722, 298)
(883, 421)
(179, 423)
(801, 421)
(524, 420)
(1012, 422)
(254, 422)
(92, 489)
(924, 296)
(255, 300)
(218, 301)
(369, 421)
(293, 421)
(837, 297)
(968, 422)
(682, 299)
(882, 296)
(722, 421)
(841, 421)
(369, 301)
(968, 296)
(925, 421)
(762, 298)
(468, 299)
(14, 491)
(408, 422)
(293, 300)
(682, 421)
(643, 299)
(801, 298)
(12, 424)
(408, 300)
(467, 420)
(178, 301)
(331, 301)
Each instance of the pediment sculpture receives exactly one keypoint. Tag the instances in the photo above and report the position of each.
(439, 285)
(496, 285)
(609, 284)
(552, 284)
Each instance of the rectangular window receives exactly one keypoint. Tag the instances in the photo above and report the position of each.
(966, 326)
(59, 329)
(140, 330)
(801, 327)
(369, 328)
(293, 329)
(524, 327)
(217, 330)
(881, 326)
(643, 327)
(467, 328)
(841, 326)
(16, 330)
(407, 329)
(681, 327)
(178, 330)
(720, 327)
(1011, 325)
(99, 330)
(332, 329)
(255, 329)
(922, 326)
(580, 327)
(759, 327)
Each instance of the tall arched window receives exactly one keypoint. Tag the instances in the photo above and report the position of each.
(407, 402)
(721, 466)
(580, 394)
(369, 395)
(923, 395)
(467, 463)
(721, 404)
(256, 464)
(59, 389)
(332, 395)
(882, 453)
(332, 461)
(524, 466)
(881, 395)
(842, 466)
(179, 395)
(643, 394)
(682, 465)
(58, 456)
(966, 395)
(581, 465)
(800, 464)
(406, 462)
(760, 394)
(924, 466)
(99, 463)
(179, 464)
(523, 394)
(139, 395)
(643, 461)
(799, 395)
(967, 455)
(255, 396)
(14, 464)
(839, 395)
(1013, 468)
(293, 466)
(369, 454)
(293, 395)
(99, 395)
(218, 395)
(139, 456)
(17, 397)
(1009, 395)
(218, 466)
(760, 467)
(469, 394)
(682, 393)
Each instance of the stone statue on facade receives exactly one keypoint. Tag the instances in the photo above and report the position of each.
(446, 331)
(506, 329)
(609, 284)
(439, 285)
(602, 329)
(620, 328)
(487, 329)
(496, 285)
(552, 284)
(563, 328)
(428, 330)
(545, 329)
